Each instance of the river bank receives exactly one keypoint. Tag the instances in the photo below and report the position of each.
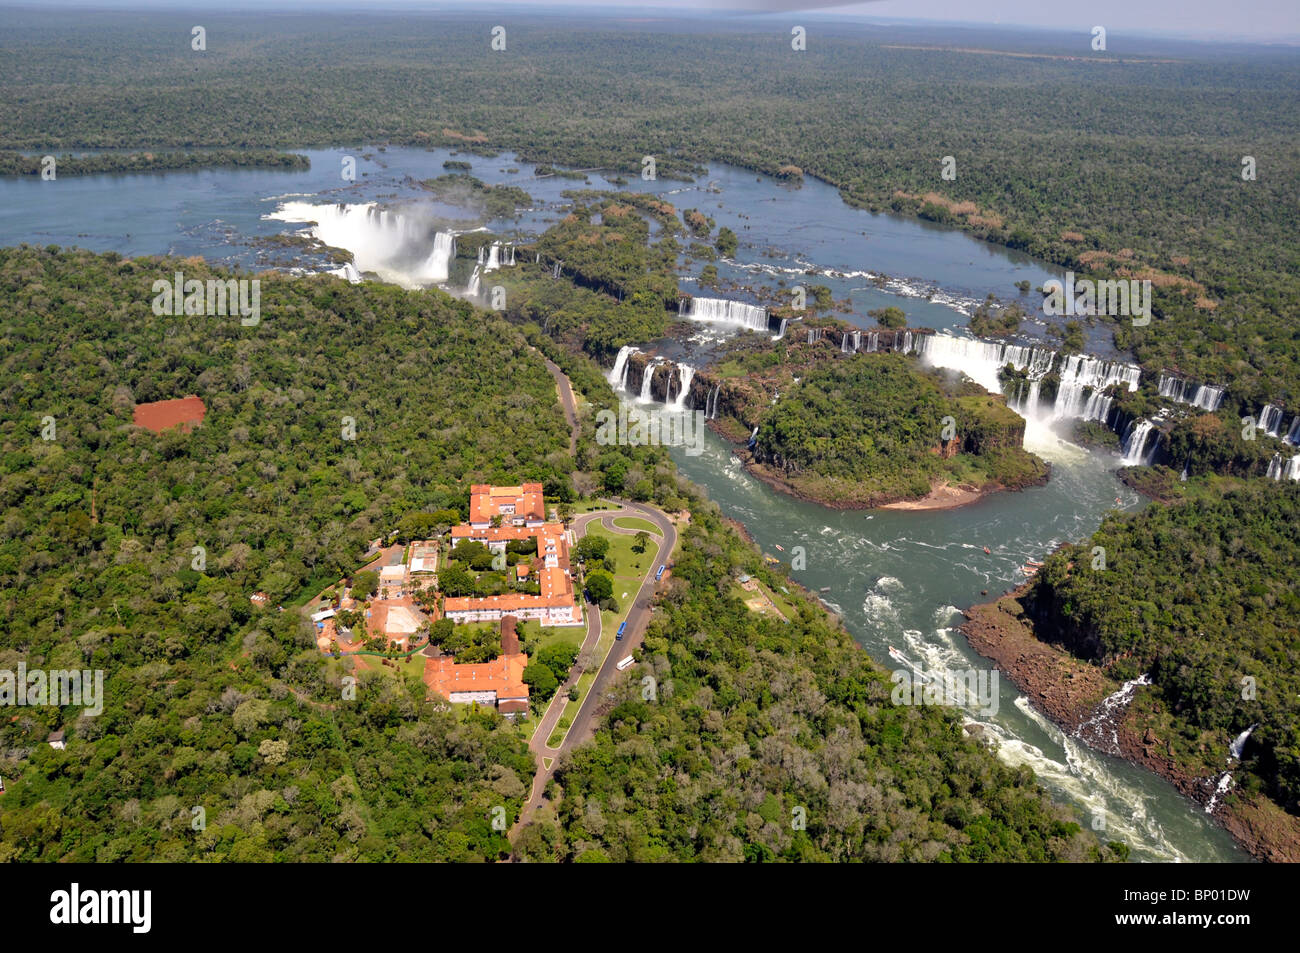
(1069, 692)
(942, 496)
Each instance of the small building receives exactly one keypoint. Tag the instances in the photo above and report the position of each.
(56, 740)
(321, 616)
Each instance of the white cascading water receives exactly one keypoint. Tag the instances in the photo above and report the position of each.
(1293, 435)
(711, 405)
(475, 282)
(1270, 420)
(1102, 729)
(1203, 396)
(1280, 468)
(647, 376)
(1136, 451)
(1225, 781)
(724, 311)
(493, 258)
(684, 375)
(814, 335)
(618, 375)
(399, 247)
(979, 360)
(1082, 378)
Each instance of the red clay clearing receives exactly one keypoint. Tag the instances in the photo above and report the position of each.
(185, 412)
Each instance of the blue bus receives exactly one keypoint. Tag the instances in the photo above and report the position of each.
(621, 629)
(660, 573)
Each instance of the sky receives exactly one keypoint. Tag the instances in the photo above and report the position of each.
(1260, 20)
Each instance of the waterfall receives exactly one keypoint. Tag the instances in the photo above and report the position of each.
(1204, 396)
(780, 331)
(1135, 444)
(1102, 729)
(814, 335)
(399, 247)
(1284, 469)
(493, 257)
(1235, 749)
(1293, 435)
(1081, 373)
(480, 255)
(850, 342)
(475, 283)
(1270, 420)
(684, 374)
(618, 375)
(724, 311)
(647, 375)
(511, 249)
(555, 269)
(979, 360)
(438, 265)
(711, 405)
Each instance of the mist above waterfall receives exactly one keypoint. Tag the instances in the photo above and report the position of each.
(403, 246)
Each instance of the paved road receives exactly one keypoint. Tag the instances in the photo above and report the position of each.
(567, 401)
(638, 618)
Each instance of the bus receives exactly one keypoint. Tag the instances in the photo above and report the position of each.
(621, 629)
(660, 573)
(625, 663)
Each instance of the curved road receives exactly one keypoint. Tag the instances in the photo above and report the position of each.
(637, 619)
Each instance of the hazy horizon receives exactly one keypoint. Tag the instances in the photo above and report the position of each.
(1260, 21)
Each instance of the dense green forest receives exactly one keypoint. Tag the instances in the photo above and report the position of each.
(1201, 595)
(1157, 192)
(876, 428)
(13, 163)
(767, 741)
(226, 735)
(211, 702)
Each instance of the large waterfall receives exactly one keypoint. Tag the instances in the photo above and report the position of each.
(724, 311)
(400, 247)
(980, 360)
(1079, 374)
(711, 404)
(618, 375)
(1203, 396)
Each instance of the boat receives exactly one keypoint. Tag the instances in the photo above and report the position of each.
(780, 547)
(987, 551)
(825, 589)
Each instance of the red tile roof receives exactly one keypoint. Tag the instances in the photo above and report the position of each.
(504, 676)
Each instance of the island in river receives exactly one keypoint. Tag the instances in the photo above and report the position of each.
(875, 430)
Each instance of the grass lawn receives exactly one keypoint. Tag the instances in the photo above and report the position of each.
(636, 523)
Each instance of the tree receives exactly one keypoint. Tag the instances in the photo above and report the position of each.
(540, 680)
(890, 317)
(365, 584)
(591, 548)
(600, 586)
(641, 542)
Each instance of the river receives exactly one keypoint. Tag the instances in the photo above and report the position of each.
(897, 578)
